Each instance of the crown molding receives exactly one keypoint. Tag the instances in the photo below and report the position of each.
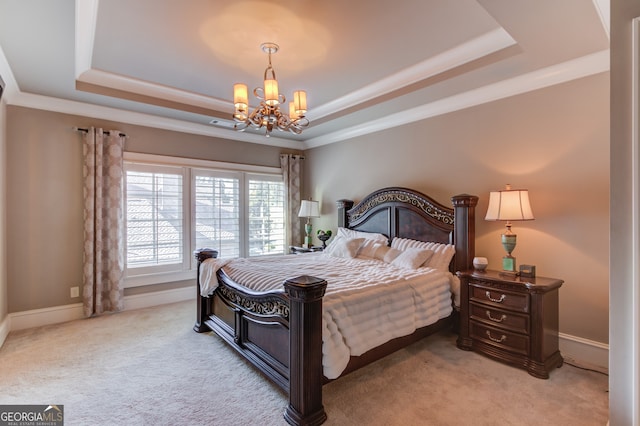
(10, 85)
(65, 106)
(603, 8)
(479, 47)
(560, 73)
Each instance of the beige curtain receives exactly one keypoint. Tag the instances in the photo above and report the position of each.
(292, 171)
(103, 222)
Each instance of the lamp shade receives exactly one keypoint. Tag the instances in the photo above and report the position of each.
(271, 95)
(309, 208)
(240, 98)
(300, 102)
(509, 204)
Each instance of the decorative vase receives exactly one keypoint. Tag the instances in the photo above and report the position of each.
(480, 263)
(324, 238)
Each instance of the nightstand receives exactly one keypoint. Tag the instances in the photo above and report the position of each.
(511, 319)
(298, 249)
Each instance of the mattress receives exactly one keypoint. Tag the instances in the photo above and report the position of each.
(367, 302)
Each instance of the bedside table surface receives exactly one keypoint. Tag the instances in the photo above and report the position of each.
(533, 283)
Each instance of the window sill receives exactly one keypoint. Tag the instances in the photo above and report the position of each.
(158, 278)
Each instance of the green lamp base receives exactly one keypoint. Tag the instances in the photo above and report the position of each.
(509, 263)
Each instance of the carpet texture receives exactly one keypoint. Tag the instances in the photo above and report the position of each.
(147, 367)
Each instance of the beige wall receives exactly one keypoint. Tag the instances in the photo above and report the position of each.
(554, 142)
(3, 202)
(44, 197)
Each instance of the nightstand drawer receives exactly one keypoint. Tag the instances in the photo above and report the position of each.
(498, 297)
(500, 338)
(500, 318)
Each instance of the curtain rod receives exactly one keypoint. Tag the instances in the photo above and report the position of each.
(106, 132)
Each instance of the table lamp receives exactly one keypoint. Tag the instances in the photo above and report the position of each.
(308, 209)
(509, 205)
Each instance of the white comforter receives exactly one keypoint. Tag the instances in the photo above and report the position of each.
(367, 302)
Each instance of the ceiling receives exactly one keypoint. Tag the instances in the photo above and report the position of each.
(366, 65)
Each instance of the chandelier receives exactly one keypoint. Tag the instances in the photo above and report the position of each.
(268, 113)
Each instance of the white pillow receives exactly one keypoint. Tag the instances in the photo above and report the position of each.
(443, 253)
(412, 258)
(343, 247)
(350, 233)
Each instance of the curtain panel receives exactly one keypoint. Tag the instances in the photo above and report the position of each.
(292, 171)
(103, 271)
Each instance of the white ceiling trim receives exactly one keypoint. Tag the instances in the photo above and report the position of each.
(479, 47)
(145, 88)
(577, 68)
(65, 106)
(86, 20)
(10, 84)
(86, 17)
(603, 7)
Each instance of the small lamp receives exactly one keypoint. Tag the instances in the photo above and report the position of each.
(308, 209)
(510, 205)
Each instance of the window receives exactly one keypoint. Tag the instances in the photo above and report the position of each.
(266, 216)
(217, 213)
(172, 210)
(154, 218)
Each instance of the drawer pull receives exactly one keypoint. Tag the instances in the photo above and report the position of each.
(502, 317)
(493, 339)
(502, 297)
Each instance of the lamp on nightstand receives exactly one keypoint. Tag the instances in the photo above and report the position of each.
(510, 205)
(308, 209)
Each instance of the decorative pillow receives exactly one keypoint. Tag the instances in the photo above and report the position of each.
(412, 258)
(442, 253)
(386, 253)
(368, 249)
(350, 233)
(343, 247)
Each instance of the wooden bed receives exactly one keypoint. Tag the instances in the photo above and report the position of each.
(280, 332)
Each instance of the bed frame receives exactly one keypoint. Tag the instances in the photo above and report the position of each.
(280, 332)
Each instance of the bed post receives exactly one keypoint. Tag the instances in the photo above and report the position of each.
(343, 207)
(202, 303)
(464, 236)
(305, 351)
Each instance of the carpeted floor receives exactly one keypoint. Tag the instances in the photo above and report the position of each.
(147, 367)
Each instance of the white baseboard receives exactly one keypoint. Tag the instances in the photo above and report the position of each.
(5, 328)
(585, 353)
(38, 317)
(45, 316)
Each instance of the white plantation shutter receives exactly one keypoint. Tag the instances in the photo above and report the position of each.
(217, 214)
(174, 208)
(266, 215)
(155, 217)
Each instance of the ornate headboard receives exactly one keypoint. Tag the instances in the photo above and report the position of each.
(405, 213)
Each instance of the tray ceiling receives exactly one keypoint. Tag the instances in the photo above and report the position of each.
(366, 66)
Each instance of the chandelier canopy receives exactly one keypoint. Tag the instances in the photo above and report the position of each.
(268, 113)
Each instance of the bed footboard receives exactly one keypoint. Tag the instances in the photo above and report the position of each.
(279, 333)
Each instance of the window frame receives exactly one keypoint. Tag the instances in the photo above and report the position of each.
(190, 168)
